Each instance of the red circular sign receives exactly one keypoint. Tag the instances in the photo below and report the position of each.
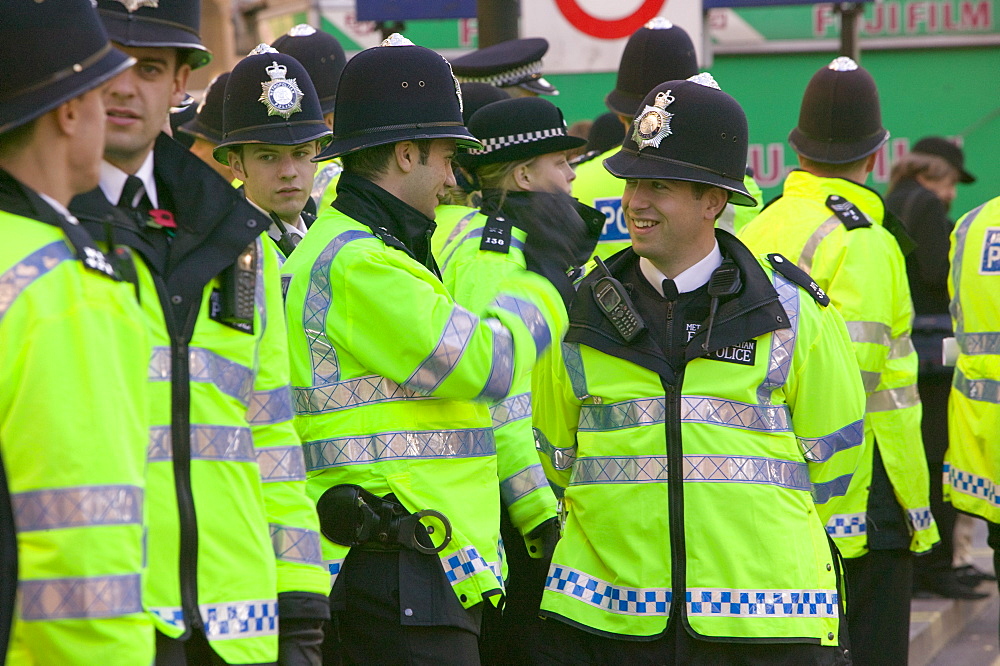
(605, 29)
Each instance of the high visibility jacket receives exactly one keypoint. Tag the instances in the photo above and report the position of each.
(833, 229)
(230, 527)
(763, 459)
(972, 464)
(324, 189)
(596, 187)
(472, 276)
(73, 356)
(392, 378)
(449, 221)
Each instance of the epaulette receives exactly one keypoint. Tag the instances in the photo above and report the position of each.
(496, 235)
(781, 264)
(848, 214)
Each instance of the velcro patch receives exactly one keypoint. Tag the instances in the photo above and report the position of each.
(496, 235)
(781, 264)
(848, 214)
(745, 353)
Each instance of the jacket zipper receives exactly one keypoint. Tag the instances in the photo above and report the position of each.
(675, 467)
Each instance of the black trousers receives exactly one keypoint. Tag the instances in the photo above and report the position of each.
(993, 539)
(879, 588)
(195, 651)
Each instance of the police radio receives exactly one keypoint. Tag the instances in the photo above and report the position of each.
(239, 283)
(614, 302)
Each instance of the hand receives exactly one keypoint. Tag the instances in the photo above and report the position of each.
(300, 642)
(542, 540)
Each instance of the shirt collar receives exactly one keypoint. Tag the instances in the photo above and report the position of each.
(690, 279)
(113, 180)
(296, 229)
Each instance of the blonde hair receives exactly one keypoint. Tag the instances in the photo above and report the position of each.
(498, 176)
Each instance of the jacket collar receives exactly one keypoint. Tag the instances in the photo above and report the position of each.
(754, 311)
(807, 186)
(17, 199)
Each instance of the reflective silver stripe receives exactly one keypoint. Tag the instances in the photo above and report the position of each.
(351, 393)
(69, 598)
(920, 518)
(897, 398)
(809, 250)
(619, 469)
(782, 340)
(239, 619)
(618, 599)
(562, 459)
(266, 407)
(871, 332)
(982, 390)
(231, 378)
(334, 567)
(16, 279)
(846, 525)
(399, 445)
(459, 229)
(532, 318)
(870, 380)
(573, 361)
(502, 366)
(208, 442)
(447, 353)
(292, 544)
(694, 409)
(824, 492)
(958, 260)
(326, 368)
(259, 297)
(524, 482)
(281, 463)
(512, 409)
(716, 602)
(979, 343)
(81, 506)
(901, 347)
(821, 449)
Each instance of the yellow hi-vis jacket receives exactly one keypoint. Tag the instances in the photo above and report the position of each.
(392, 379)
(596, 187)
(708, 486)
(73, 416)
(833, 229)
(972, 464)
(473, 275)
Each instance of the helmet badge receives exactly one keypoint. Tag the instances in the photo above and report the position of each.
(652, 125)
(132, 5)
(281, 96)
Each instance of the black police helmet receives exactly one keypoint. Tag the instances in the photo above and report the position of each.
(38, 77)
(606, 133)
(517, 62)
(269, 99)
(322, 56)
(946, 150)
(396, 92)
(517, 129)
(151, 23)
(687, 130)
(207, 122)
(476, 95)
(659, 51)
(840, 119)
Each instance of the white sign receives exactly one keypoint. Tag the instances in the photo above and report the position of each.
(590, 35)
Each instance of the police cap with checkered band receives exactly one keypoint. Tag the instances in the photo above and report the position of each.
(517, 62)
(517, 129)
(687, 130)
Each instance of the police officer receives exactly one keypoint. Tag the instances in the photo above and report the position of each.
(73, 358)
(514, 66)
(833, 226)
(971, 463)
(395, 375)
(324, 59)
(205, 129)
(233, 540)
(657, 52)
(691, 392)
(270, 146)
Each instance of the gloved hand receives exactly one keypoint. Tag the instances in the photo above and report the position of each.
(542, 540)
(300, 642)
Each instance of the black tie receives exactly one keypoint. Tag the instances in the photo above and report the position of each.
(669, 289)
(134, 196)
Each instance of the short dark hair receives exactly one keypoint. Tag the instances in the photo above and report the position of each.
(831, 170)
(371, 162)
(698, 190)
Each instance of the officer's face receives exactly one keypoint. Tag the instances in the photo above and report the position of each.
(668, 221)
(550, 173)
(276, 178)
(88, 141)
(430, 178)
(138, 102)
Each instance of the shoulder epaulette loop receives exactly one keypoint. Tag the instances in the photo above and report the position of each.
(782, 265)
(496, 234)
(848, 214)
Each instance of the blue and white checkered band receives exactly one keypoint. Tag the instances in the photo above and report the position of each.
(494, 143)
(509, 78)
(652, 125)
(281, 96)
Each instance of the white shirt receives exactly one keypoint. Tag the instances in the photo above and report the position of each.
(298, 229)
(688, 280)
(113, 181)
